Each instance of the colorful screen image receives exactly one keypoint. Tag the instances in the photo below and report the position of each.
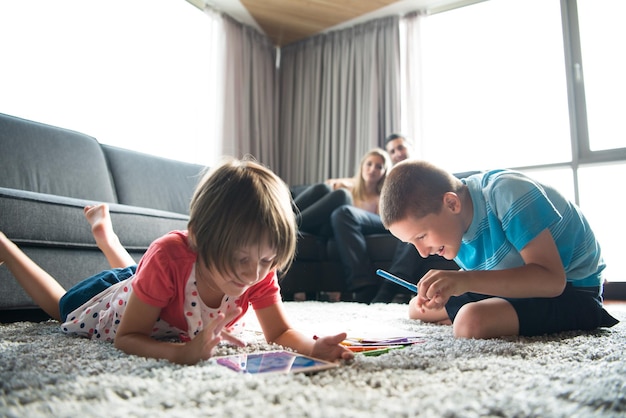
(272, 362)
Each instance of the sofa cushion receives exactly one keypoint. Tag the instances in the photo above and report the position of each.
(38, 219)
(42, 158)
(152, 182)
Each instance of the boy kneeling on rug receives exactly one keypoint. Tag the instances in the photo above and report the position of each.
(530, 263)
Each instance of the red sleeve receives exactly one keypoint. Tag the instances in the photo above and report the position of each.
(162, 274)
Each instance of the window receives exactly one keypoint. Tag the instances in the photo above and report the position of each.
(602, 35)
(561, 179)
(494, 86)
(600, 64)
(135, 74)
(495, 82)
(599, 189)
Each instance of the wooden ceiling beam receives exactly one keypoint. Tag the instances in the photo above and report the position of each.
(287, 21)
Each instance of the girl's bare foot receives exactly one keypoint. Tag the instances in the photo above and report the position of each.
(106, 239)
(100, 221)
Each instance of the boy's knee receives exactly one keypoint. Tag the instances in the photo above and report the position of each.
(489, 318)
(467, 323)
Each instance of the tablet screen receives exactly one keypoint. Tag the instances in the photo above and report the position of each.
(272, 362)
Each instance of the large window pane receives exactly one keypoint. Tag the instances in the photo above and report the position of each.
(599, 193)
(135, 74)
(602, 36)
(561, 179)
(494, 87)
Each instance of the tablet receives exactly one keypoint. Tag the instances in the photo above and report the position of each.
(281, 361)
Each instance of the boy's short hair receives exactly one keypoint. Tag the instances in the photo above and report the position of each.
(414, 188)
(238, 204)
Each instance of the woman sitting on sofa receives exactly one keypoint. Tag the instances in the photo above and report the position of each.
(317, 202)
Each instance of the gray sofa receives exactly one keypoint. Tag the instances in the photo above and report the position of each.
(47, 176)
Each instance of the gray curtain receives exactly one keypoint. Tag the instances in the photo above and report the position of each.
(339, 97)
(250, 108)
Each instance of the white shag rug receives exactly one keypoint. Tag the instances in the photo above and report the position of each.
(46, 373)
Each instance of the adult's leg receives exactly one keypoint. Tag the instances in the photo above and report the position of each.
(310, 195)
(106, 239)
(38, 284)
(350, 226)
(317, 215)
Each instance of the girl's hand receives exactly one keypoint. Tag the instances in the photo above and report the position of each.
(203, 345)
(329, 348)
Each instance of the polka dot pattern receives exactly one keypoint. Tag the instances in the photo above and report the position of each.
(100, 317)
(198, 314)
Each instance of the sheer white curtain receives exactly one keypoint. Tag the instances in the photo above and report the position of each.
(250, 121)
(339, 97)
(411, 79)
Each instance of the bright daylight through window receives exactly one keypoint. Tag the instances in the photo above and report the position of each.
(497, 91)
(135, 74)
(491, 87)
(602, 35)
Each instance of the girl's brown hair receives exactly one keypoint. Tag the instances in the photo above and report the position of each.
(239, 204)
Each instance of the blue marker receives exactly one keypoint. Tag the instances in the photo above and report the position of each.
(397, 280)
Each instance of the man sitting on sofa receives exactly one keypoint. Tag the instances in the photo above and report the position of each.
(350, 228)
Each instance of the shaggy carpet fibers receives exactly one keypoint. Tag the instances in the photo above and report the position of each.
(46, 373)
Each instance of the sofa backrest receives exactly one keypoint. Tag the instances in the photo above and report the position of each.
(46, 159)
(152, 182)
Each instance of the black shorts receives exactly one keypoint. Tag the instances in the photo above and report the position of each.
(577, 308)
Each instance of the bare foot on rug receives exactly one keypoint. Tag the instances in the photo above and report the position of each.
(106, 239)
